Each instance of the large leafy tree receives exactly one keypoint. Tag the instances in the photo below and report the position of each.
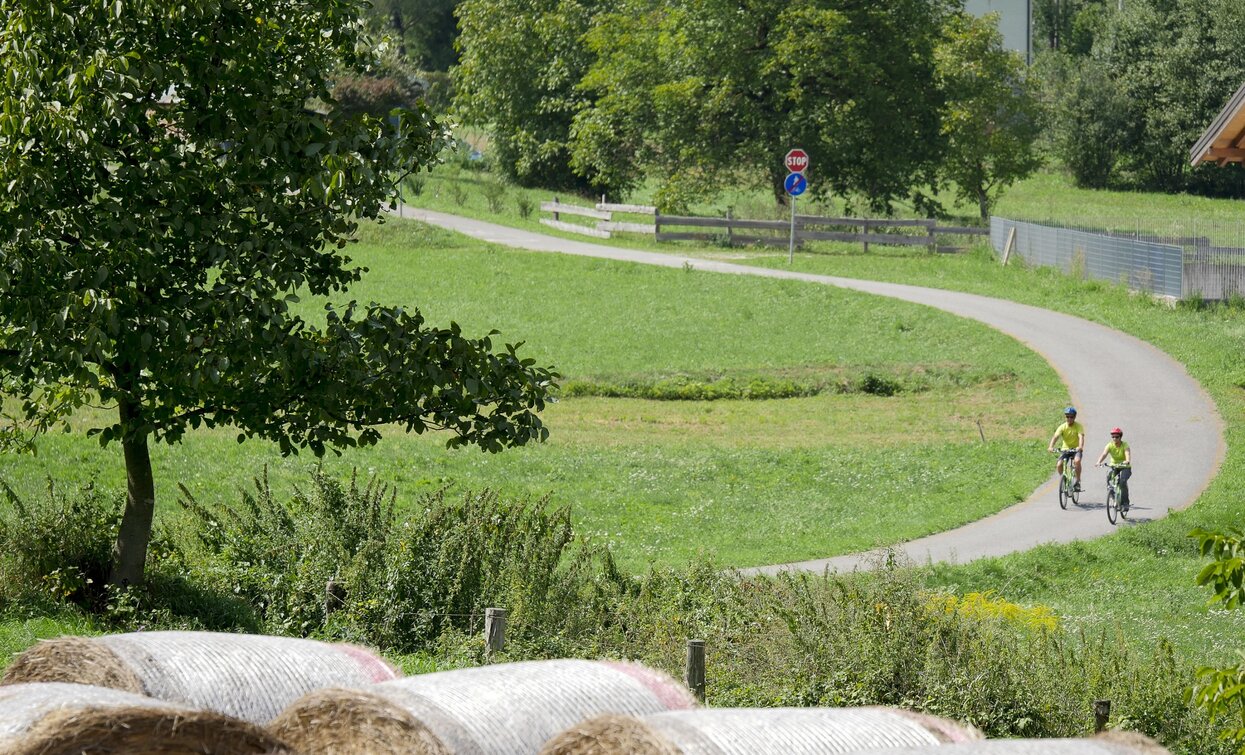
(167, 194)
(520, 64)
(731, 85)
(992, 119)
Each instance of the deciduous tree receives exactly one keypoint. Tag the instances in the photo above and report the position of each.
(167, 194)
(991, 120)
(732, 86)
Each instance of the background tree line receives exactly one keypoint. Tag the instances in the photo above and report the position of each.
(892, 100)
(1131, 85)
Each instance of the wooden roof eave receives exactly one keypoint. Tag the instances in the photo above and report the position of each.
(1224, 141)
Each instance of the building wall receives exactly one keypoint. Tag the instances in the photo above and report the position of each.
(1014, 22)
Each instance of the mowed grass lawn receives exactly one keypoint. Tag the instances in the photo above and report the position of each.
(742, 482)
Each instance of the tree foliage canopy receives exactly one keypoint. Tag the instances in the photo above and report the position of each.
(168, 194)
(520, 64)
(708, 92)
(991, 119)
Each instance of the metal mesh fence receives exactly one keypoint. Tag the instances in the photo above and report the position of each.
(1202, 259)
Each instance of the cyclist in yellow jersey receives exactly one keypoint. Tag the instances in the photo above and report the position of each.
(1071, 436)
(1122, 458)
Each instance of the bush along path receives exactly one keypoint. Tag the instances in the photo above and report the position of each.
(1112, 378)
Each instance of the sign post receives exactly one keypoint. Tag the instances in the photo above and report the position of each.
(796, 161)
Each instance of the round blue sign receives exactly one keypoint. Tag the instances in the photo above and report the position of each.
(795, 184)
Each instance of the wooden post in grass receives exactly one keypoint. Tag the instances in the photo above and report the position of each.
(694, 674)
(981, 432)
(494, 629)
(1102, 712)
(1007, 247)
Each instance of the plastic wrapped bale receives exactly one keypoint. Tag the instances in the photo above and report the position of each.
(53, 718)
(1108, 743)
(499, 709)
(756, 731)
(251, 677)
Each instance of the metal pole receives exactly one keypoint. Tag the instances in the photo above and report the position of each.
(791, 246)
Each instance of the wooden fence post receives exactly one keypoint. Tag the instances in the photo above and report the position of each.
(555, 212)
(730, 230)
(1102, 712)
(694, 674)
(933, 240)
(494, 629)
(1007, 247)
(864, 230)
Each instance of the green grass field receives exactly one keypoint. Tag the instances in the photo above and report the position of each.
(746, 482)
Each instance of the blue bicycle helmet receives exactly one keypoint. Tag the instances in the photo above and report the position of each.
(1070, 410)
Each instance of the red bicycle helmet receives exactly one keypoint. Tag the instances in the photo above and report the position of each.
(1117, 431)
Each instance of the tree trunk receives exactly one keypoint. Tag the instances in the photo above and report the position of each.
(129, 557)
(399, 28)
(983, 203)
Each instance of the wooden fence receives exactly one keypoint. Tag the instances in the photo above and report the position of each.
(738, 231)
(865, 231)
(603, 213)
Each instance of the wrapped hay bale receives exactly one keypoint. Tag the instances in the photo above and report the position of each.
(53, 718)
(1108, 743)
(500, 709)
(756, 731)
(251, 677)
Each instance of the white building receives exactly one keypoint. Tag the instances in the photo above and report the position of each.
(1015, 21)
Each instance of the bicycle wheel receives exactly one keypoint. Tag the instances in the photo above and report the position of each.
(1112, 509)
(1065, 491)
(1073, 493)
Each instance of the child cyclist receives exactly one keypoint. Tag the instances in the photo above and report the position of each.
(1122, 460)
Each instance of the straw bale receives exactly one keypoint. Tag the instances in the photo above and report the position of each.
(53, 718)
(251, 677)
(354, 721)
(500, 709)
(73, 659)
(781, 731)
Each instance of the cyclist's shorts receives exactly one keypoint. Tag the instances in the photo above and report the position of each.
(1076, 453)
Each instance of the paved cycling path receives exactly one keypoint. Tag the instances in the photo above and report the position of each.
(1112, 378)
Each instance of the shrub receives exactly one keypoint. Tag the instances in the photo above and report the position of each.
(398, 582)
(61, 547)
(494, 194)
(525, 205)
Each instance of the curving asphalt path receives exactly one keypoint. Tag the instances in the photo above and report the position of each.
(1113, 379)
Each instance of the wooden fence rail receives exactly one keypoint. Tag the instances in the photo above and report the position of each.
(739, 231)
(812, 228)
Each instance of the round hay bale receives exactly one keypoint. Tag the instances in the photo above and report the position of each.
(73, 659)
(609, 734)
(251, 677)
(499, 709)
(781, 731)
(53, 718)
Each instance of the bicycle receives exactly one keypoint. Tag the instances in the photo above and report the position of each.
(1067, 483)
(1113, 494)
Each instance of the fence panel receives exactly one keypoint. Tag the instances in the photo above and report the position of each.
(1135, 263)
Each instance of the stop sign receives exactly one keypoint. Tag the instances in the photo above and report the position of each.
(796, 160)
